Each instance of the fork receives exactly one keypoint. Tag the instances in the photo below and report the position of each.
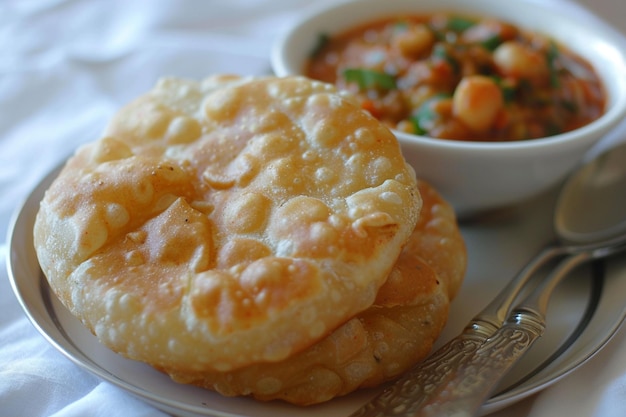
(469, 386)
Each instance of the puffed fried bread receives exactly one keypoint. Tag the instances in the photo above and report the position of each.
(226, 223)
(378, 344)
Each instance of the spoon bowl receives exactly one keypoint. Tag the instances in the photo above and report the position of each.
(592, 204)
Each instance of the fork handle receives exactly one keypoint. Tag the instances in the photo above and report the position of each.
(417, 386)
(465, 392)
(469, 387)
(406, 395)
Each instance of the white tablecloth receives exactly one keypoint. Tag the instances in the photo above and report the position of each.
(65, 66)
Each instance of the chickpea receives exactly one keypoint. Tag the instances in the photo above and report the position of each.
(394, 105)
(517, 60)
(419, 95)
(486, 29)
(405, 126)
(476, 58)
(476, 102)
(414, 41)
(443, 107)
(450, 129)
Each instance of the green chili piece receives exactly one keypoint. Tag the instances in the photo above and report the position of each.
(367, 78)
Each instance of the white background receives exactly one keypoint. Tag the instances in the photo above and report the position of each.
(65, 66)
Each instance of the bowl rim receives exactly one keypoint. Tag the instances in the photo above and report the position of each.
(615, 113)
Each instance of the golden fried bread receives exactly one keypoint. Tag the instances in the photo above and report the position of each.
(378, 344)
(229, 222)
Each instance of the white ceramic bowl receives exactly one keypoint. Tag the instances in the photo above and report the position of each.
(478, 176)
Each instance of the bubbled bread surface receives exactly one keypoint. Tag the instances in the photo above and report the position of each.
(227, 222)
(378, 344)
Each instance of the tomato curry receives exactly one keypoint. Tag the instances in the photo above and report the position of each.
(455, 77)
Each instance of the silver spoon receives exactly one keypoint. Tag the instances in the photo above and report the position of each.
(590, 222)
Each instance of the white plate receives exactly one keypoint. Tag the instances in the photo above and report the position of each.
(584, 314)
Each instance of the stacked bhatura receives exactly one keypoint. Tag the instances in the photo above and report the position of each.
(255, 236)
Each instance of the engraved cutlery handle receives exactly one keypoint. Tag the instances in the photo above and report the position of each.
(405, 396)
(464, 393)
(460, 376)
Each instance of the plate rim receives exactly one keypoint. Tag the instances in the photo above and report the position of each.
(78, 357)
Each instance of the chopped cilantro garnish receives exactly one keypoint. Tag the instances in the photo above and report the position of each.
(492, 42)
(322, 41)
(508, 90)
(569, 106)
(425, 116)
(440, 51)
(551, 56)
(553, 129)
(508, 93)
(368, 78)
(440, 35)
(400, 26)
(459, 24)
